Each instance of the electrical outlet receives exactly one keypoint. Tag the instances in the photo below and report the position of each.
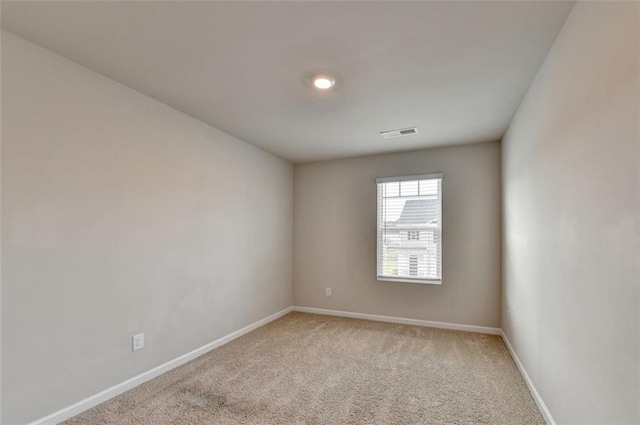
(328, 292)
(137, 342)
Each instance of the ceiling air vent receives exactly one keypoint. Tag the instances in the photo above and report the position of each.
(399, 133)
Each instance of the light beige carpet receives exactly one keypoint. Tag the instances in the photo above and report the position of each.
(312, 369)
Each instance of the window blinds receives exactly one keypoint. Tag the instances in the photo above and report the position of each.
(410, 228)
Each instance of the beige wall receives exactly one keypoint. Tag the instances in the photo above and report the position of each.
(335, 236)
(571, 220)
(121, 215)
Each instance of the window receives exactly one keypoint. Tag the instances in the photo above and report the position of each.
(413, 265)
(410, 228)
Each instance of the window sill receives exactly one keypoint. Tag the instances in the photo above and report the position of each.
(409, 280)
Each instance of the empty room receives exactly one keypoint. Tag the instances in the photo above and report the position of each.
(319, 212)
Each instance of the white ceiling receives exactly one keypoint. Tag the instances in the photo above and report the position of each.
(457, 70)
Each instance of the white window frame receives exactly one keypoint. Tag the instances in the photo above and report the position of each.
(384, 278)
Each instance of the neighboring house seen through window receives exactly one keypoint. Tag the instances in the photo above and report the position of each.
(410, 228)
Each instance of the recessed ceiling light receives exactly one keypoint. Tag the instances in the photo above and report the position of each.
(322, 81)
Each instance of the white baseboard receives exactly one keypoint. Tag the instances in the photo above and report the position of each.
(101, 397)
(546, 414)
(401, 320)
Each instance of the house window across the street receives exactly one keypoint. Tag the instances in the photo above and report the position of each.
(413, 265)
(410, 228)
